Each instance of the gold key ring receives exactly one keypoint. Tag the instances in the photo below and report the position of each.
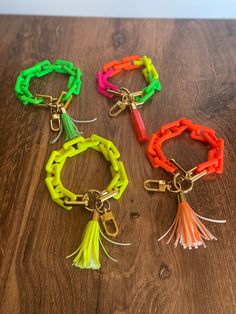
(86, 196)
(178, 183)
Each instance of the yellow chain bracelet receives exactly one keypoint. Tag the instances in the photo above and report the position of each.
(93, 200)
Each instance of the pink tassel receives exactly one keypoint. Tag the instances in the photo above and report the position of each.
(190, 231)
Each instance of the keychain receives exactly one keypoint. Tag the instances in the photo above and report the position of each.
(187, 226)
(59, 118)
(96, 202)
(127, 99)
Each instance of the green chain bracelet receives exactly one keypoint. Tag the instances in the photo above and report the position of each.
(59, 119)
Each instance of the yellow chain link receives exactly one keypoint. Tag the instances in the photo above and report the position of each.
(74, 147)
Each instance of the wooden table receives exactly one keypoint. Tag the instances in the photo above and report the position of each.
(196, 62)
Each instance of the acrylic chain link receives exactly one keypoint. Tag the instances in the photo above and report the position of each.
(43, 68)
(129, 63)
(154, 152)
(74, 147)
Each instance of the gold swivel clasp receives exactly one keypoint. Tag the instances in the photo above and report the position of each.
(155, 185)
(183, 181)
(56, 106)
(127, 100)
(55, 122)
(108, 221)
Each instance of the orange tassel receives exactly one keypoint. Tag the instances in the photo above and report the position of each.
(190, 231)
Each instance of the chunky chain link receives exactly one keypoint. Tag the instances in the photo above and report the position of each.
(41, 69)
(154, 152)
(128, 63)
(74, 147)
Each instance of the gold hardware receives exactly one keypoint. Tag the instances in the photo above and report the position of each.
(115, 92)
(178, 166)
(182, 182)
(136, 94)
(107, 195)
(127, 100)
(44, 96)
(55, 111)
(122, 91)
(161, 186)
(179, 182)
(189, 175)
(82, 200)
(55, 122)
(48, 98)
(181, 197)
(98, 200)
(198, 176)
(52, 101)
(56, 106)
(174, 188)
(96, 216)
(108, 218)
(94, 200)
(117, 109)
(68, 102)
(133, 106)
(59, 99)
(100, 208)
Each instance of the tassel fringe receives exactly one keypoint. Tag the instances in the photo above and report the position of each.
(69, 128)
(190, 231)
(88, 252)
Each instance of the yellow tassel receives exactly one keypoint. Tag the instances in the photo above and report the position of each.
(88, 252)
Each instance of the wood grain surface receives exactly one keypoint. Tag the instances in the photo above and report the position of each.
(196, 62)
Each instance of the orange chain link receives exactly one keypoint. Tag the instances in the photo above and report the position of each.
(154, 152)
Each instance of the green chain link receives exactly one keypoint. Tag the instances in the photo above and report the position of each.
(152, 77)
(41, 69)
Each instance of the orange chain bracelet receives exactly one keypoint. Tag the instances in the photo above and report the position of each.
(190, 232)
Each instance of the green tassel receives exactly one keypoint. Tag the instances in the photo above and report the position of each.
(88, 252)
(70, 130)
